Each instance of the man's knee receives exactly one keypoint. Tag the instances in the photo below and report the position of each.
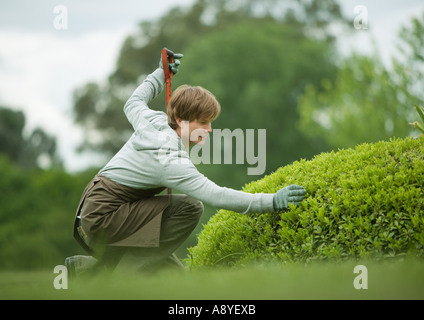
(188, 206)
(194, 206)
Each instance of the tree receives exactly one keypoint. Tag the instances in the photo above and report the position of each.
(360, 106)
(36, 150)
(368, 101)
(11, 126)
(37, 210)
(98, 108)
(408, 67)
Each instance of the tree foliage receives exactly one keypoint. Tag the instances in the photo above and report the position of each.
(37, 208)
(33, 151)
(368, 101)
(362, 105)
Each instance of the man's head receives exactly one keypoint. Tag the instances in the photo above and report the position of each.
(194, 105)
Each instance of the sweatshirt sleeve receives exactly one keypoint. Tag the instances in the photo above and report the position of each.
(136, 108)
(184, 177)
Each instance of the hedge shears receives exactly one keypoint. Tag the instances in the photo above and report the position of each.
(167, 56)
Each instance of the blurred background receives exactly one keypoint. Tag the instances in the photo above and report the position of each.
(317, 75)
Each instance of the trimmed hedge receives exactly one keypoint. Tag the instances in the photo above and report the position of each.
(361, 202)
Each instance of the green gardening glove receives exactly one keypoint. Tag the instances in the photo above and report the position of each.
(291, 194)
(173, 66)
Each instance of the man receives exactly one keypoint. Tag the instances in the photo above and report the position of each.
(122, 220)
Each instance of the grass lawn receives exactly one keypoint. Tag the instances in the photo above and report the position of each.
(401, 279)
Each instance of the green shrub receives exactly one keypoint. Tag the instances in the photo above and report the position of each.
(362, 202)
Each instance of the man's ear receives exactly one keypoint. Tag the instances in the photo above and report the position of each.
(179, 121)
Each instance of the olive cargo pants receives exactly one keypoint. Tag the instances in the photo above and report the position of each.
(178, 221)
(130, 228)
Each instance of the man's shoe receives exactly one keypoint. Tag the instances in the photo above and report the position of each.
(77, 265)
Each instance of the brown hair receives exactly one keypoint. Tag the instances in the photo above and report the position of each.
(191, 104)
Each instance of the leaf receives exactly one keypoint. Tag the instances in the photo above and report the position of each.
(417, 125)
(420, 112)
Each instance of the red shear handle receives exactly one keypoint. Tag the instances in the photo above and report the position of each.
(167, 55)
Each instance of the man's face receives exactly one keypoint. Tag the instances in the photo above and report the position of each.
(195, 131)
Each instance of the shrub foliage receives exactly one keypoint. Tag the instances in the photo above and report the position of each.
(361, 202)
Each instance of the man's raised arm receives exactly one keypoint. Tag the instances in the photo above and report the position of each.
(136, 108)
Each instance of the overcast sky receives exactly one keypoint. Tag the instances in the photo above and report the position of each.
(40, 66)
